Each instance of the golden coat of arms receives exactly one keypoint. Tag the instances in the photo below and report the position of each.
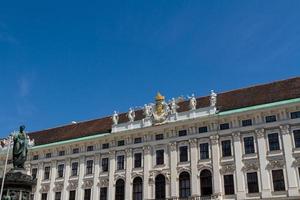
(160, 109)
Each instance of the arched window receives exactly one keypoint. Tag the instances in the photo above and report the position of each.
(137, 188)
(206, 182)
(184, 185)
(120, 190)
(160, 187)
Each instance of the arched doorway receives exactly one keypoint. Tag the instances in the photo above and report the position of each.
(206, 182)
(137, 191)
(160, 187)
(184, 185)
(120, 190)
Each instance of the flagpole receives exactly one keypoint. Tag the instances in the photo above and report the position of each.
(6, 160)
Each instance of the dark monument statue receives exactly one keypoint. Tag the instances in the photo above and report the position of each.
(17, 184)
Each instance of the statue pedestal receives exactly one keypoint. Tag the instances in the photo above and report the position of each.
(17, 185)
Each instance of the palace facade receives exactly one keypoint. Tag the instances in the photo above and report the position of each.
(241, 144)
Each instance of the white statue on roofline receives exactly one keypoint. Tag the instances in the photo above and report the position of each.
(131, 115)
(115, 118)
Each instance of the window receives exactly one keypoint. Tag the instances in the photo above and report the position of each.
(90, 148)
(249, 145)
(278, 180)
(203, 129)
(34, 173)
(74, 168)
(204, 151)
(44, 196)
(89, 166)
(224, 126)
(121, 143)
(160, 157)
(159, 136)
(183, 154)
(182, 133)
(61, 153)
(137, 160)
(228, 184)
(60, 170)
(270, 118)
(247, 122)
(184, 185)
(87, 194)
(31, 196)
(75, 150)
(206, 182)
(57, 195)
(273, 142)
(137, 140)
(104, 164)
(295, 115)
(137, 188)
(297, 138)
(103, 193)
(105, 146)
(120, 190)
(226, 148)
(48, 155)
(35, 157)
(252, 182)
(160, 187)
(72, 195)
(120, 162)
(47, 173)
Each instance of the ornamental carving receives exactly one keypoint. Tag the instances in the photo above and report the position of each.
(136, 174)
(88, 183)
(193, 142)
(147, 149)
(296, 162)
(128, 152)
(120, 176)
(73, 185)
(160, 110)
(58, 186)
(275, 163)
(154, 173)
(112, 153)
(260, 133)
(45, 188)
(204, 166)
(183, 169)
(214, 139)
(236, 136)
(173, 146)
(285, 129)
(250, 166)
(104, 182)
(227, 169)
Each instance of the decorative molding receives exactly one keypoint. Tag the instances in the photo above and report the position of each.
(58, 186)
(214, 139)
(154, 173)
(128, 152)
(112, 153)
(193, 142)
(181, 169)
(250, 165)
(45, 188)
(230, 168)
(236, 136)
(104, 182)
(260, 133)
(275, 164)
(285, 129)
(207, 166)
(73, 185)
(88, 183)
(173, 146)
(296, 162)
(136, 174)
(120, 175)
(147, 149)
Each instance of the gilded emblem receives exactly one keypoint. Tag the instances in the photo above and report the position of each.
(161, 109)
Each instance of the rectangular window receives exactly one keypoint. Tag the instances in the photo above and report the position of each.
(104, 164)
(61, 153)
(270, 118)
(74, 168)
(160, 157)
(273, 142)
(183, 154)
(34, 173)
(57, 195)
(72, 195)
(47, 173)
(60, 170)
(75, 150)
(48, 155)
(44, 196)
(159, 136)
(120, 162)
(226, 148)
(278, 180)
(87, 194)
(137, 140)
(90, 148)
(137, 160)
(224, 126)
(103, 193)
(249, 145)
(105, 146)
(182, 133)
(89, 166)
(247, 122)
(203, 129)
(297, 138)
(204, 151)
(228, 184)
(35, 157)
(252, 182)
(295, 115)
(121, 143)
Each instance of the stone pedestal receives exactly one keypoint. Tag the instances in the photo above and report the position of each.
(17, 185)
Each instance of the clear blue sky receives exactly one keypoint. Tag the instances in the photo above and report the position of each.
(78, 60)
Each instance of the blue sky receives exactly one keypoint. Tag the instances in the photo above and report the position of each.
(77, 60)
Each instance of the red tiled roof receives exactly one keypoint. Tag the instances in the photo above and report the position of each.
(255, 95)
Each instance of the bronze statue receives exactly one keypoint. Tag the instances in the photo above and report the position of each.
(20, 148)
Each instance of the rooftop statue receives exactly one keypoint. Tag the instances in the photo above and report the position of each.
(131, 115)
(193, 102)
(20, 148)
(174, 106)
(115, 118)
(213, 98)
(147, 110)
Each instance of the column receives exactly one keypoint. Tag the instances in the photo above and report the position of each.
(290, 171)
(215, 153)
(128, 185)
(37, 195)
(52, 179)
(173, 166)
(65, 193)
(194, 170)
(111, 184)
(147, 166)
(95, 188)
(80, 178)
(264, 174)
(240, 182)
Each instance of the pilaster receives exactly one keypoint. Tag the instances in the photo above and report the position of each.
(215, 152)
(194, 158)
(173, 165)
(111, 184)
(147, 167)
(37, 195)
(128, 186)
(80, 177)
(65, 193)
(52, 179)
(95, 188)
